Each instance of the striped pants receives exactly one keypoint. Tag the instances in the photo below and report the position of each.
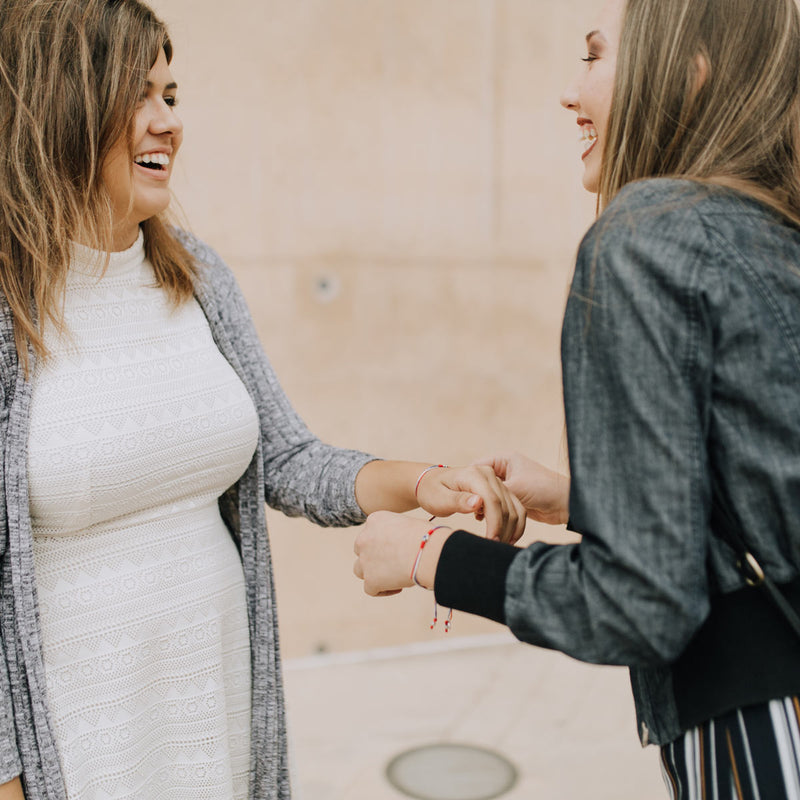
(749, 754)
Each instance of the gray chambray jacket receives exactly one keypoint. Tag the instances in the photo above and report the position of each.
(292, 470)
(681, 371)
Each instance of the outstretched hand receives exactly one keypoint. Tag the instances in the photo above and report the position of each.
(543, 492)
(473, 490)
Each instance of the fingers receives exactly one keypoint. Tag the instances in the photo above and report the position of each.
(504, 514)
(469, 503)
(358, 571)
(515, 526)
(498, 464)
(477, 490)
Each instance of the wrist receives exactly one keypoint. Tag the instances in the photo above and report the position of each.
(421, 478)
(429, 557)
(388, 486)
(471, 574)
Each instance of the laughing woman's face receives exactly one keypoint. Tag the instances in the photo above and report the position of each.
(141, 190)
(589, 95)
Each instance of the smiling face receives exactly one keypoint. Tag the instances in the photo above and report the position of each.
(589, 95)
(139, 189)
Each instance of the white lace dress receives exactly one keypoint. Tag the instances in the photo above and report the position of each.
(138, 424)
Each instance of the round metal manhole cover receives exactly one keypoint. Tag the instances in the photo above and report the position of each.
(451, 772)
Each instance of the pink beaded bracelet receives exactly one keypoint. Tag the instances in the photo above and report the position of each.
(426, 536)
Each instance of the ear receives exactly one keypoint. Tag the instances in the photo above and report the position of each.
(702, 69)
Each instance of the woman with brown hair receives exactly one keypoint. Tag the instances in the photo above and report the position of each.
(681, 372)
(142, 429)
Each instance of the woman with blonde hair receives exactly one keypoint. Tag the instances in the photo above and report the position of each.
(681, 372)
(142, 429)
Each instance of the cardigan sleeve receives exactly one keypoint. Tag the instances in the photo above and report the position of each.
(303, 476)
(10, 763)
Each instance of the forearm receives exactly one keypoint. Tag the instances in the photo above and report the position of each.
(388, 485)
(563, 597)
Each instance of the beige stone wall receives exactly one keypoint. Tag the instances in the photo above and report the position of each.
(398, 190)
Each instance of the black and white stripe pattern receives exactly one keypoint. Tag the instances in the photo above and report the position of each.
(747, 754)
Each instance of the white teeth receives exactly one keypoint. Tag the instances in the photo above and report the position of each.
(152, 158)
(588, 137)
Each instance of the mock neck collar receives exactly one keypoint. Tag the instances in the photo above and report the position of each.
(88, 261)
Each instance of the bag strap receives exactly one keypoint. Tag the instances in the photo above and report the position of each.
(749, 567)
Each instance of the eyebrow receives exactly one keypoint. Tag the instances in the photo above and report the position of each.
(172, 85)
(592, 34)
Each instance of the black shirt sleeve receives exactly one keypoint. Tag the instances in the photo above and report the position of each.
(471, 575)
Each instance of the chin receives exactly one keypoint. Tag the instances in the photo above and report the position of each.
(591, 170)
(151, 201)
(591, 183)
(150, 210)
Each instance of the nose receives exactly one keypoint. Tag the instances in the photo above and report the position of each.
(165, 120)
(569, 97)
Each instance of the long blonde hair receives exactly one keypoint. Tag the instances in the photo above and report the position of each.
(708, 90)
(72, 73)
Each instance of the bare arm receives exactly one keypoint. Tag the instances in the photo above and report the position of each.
(388, 485)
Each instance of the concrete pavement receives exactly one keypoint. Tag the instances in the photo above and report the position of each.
(568, 728)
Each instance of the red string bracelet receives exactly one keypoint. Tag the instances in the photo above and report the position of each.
(426, 536)
(424, 472)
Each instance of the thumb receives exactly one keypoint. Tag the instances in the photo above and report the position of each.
(469, 503)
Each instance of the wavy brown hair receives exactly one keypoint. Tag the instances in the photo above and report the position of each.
(708, 90)
(72, 73)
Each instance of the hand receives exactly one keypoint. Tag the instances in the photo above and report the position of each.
(543, 492)
(386, 548)
(473, 490)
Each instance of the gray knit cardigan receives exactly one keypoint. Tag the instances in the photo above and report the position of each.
(292, 471)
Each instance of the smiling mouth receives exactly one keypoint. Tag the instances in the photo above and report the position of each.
(158, 162)
(588, 138)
